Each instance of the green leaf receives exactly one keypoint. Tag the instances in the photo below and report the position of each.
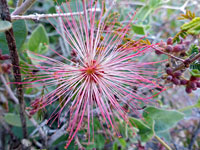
(195, 30)
(193, 49)
(122, 142)
(166, 135)
(143, 13)
(75, 5)
(100, 141)
(195, 66)
(138, 29)
(194, 22)
(59, 2)
(145, 131)
(5, 25)
(38, 40)
(155, 3)
(195, 73)
(35, 59)
(14, 120)
(20, 34)
(115, 146)
(164, 119)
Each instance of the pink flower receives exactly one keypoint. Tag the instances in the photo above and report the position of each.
(101, 78)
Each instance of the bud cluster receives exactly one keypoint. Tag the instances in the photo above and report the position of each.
(174, 75)
(178, 49)
(5, 67)
(192, 84)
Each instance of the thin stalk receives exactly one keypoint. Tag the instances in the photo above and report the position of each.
(44, 16)
(24, 7)
(163, 142)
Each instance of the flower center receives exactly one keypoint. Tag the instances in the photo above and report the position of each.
(90, 70)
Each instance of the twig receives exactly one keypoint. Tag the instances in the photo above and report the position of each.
(19, 3)
(41, 132)
(194, 136)
(8, 89)
(38, 127)
(3, 98)
(15, 62)
(78, 143)
(172, 56)
(186, 63)
(182, 8)
(10, 92)
(44, 16)
(24, 7)
(57, 134)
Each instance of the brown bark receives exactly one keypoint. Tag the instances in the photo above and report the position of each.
(5, 14)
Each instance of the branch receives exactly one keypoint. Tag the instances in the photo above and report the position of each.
(15, 62)
(44, 16)
(57, 134)
(8, 89)
(41, 132)
(10, 92)
(24, 7)
(168, 54)
(19, 3)
(78, 143)
(186, 63)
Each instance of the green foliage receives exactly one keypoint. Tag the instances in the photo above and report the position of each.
(156, 121)
(138, 29)
(155, 3)
(59, 2)
(195, 72)
(193, 49)
(5, 25)
(20, 33)
(62, 140)
(143, 13)
(189, 15)
(195, 66)
(121, 142)
(191, 24)
(37, 44)
(144, 16)
(73, 6)
(145, 131)
(164, 119)
(38, 40)
(14, 120)
(192, 27)
(182, 34)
